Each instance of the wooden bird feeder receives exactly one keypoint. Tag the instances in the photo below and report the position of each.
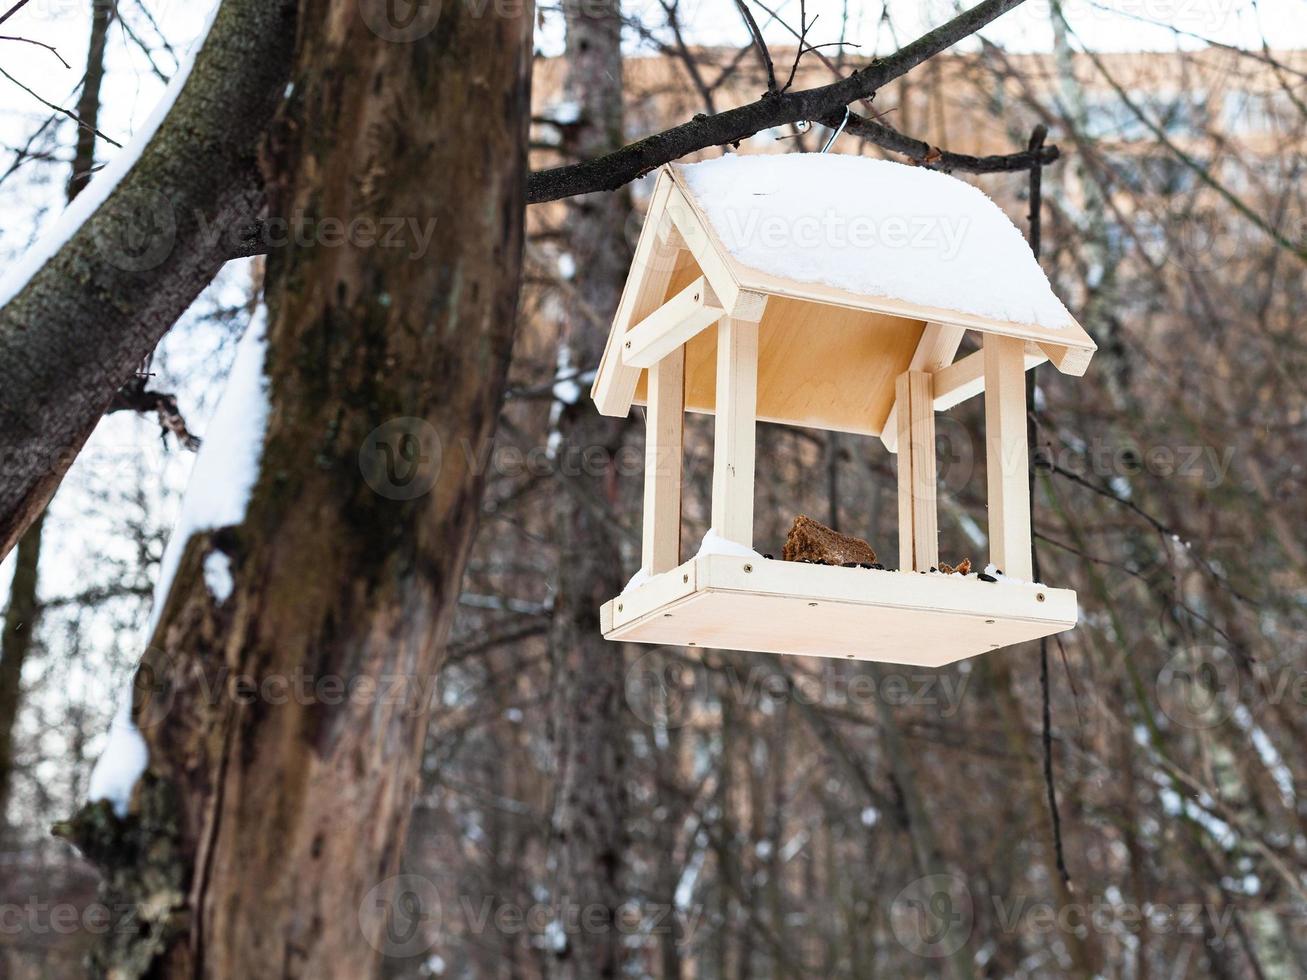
(701, 327)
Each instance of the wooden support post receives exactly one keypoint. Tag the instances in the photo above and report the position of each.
(734, 432)
(925, 524)
(665, 427)
(903, 423)
(935, 350)
(672, 325)
(1007, 456)
(918, 521)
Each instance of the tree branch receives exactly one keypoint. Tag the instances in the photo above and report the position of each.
(86, 318)
(620, 167)
(926, 155)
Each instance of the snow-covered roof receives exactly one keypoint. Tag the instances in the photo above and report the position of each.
(875, 228)
(860, 270)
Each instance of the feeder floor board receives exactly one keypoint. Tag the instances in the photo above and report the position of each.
(732, 603)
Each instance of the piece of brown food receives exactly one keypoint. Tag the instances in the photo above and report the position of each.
(963, 567)
(810, 540)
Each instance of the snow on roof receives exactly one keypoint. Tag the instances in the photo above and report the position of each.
(874, 228)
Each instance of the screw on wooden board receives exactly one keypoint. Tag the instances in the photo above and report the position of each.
(1039, 597)
(748, 568)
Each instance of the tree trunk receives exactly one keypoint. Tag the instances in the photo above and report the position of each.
(589, 823)
(15, 644)
(264, 837)
(92, 312)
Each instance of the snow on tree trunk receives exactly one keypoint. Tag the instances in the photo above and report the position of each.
(285, 721)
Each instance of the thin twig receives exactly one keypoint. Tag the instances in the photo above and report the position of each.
(803, 37)
(616, 169)
(60, 109)
(13, 10)
(39, 44)
(1032, 434)
(763, 54)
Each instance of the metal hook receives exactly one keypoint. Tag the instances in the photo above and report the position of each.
(836, 135)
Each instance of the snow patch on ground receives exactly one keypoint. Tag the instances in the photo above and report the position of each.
(98, 190)
(876, 228)
(228, 462)
(121, 763)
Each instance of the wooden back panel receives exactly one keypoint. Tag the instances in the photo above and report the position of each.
(828, 367)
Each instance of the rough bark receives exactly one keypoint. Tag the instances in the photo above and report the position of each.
(261, 839)
(589, 820)
(83, 322)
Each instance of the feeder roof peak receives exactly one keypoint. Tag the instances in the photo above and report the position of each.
(874, 228)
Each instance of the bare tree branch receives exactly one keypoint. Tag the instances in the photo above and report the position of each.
(615, 169)
(932, 156)
(78, 328)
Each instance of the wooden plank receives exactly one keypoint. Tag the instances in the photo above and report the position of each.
(920, 409)
(1007, 457)
(655, 594)
(965, 378)
(1069, 360)
(652, 266)
(938, 346)
(708, 252)
(665, 427)
(906, 550)
(668, 233)
(734, 432)
(672, 325)
(847, 360)
(895, 617)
